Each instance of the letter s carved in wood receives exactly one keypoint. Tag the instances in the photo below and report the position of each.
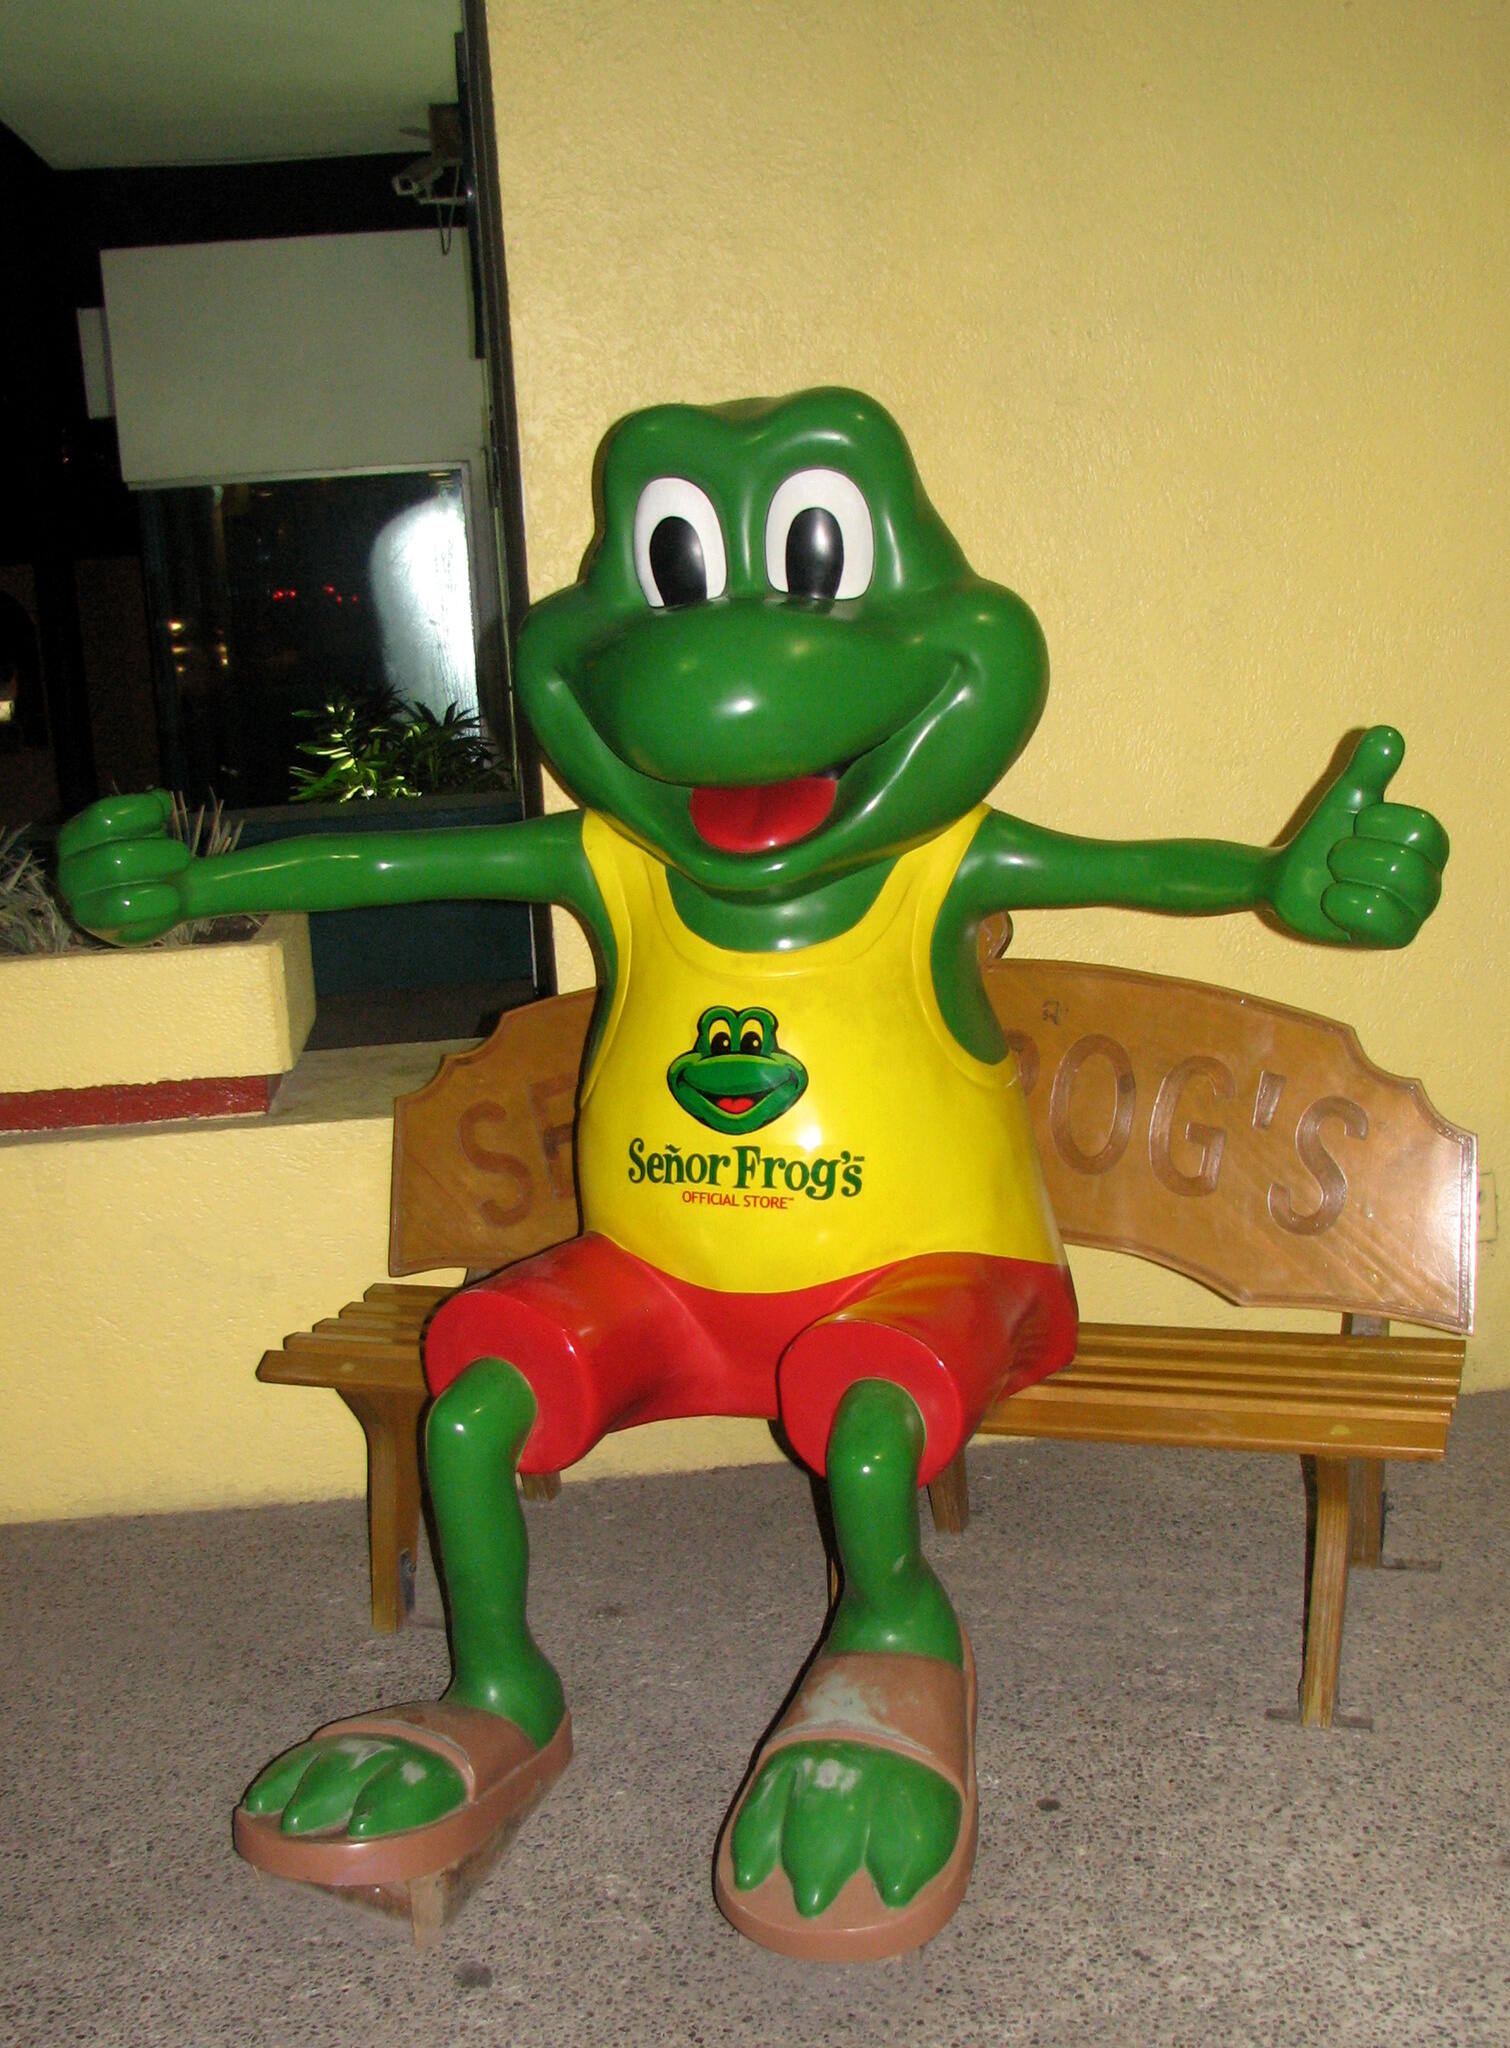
(488, 1159)
(1322, 1167)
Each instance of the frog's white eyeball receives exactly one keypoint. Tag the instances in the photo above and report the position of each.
(819, 540)
(678, 544)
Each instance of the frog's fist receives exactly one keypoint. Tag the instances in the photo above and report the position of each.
(1361, 871)
(122, 874)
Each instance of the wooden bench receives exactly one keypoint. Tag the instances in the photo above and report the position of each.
(1250, 1147)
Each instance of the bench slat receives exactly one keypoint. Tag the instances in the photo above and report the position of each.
(399, 1375)
(1221, 1427)
(350, 1352)
(1347, 1382)
(1266, 1390)
(407, 1308)
(1306, 1396)
(1132, 1340)
(364, 1328)
(1178, 1411)
(1344, 1371)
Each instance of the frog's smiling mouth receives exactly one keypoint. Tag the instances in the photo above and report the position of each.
(761, 817)
(733, 1105)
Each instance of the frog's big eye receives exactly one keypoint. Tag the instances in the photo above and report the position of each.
(678, 544)
(719, 1040)
(819, 540)
(750, 1039)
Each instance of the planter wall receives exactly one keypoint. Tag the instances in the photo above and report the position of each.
(129, 1036)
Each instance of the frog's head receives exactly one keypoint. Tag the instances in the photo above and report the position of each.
(777, 666)
(736, 1078)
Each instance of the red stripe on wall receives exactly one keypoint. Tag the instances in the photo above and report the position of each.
(143, 1102)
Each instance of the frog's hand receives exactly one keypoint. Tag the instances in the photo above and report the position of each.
(1361, 871)
(121, 873)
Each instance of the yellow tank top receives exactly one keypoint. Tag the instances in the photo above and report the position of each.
(854, 1130)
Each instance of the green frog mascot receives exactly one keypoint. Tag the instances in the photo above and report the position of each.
(780, 698)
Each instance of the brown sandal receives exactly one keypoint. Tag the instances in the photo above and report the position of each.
(505, 1776)
(917, 1707)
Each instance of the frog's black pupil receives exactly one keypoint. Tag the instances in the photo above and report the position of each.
(814, 554)
(676, 562)
(750, 1042)
(719, 1042)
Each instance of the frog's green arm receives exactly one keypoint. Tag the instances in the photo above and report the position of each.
(1012, 865)
(1357, 871)
(539, 860)
(127, 880)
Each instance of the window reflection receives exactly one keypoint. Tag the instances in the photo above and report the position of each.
(273, 598)
(420, 588)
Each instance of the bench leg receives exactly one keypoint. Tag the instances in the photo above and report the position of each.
(390, 1423)
(1327, 1548)
(540, 1485)
(949, 1498)
(1365, 1476)
(1365, 1486)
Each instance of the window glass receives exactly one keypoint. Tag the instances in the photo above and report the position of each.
(270, 599)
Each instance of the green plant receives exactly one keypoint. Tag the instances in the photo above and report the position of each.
(377, 745)
(206, 834)
(31, 918)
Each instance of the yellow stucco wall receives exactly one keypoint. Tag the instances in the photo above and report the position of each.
(1194, 318)
(156, 1266)
(177, 1013)
(145, 1271)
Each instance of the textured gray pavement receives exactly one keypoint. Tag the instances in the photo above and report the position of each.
(1158, 1862)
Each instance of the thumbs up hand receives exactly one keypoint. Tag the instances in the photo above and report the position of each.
(1361, 871)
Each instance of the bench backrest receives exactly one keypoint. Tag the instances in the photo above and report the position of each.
(1252, 1147)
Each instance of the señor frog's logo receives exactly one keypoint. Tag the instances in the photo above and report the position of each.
(736, 1078)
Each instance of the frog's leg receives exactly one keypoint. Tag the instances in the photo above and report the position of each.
(416, 1789)
(586, 1328)
(855, 1834)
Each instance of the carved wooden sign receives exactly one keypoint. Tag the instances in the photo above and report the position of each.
(1252, 1147)
(482, 1155)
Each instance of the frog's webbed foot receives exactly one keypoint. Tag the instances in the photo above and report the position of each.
(388, 1797)
(855, 1835)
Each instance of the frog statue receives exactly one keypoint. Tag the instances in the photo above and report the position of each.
(808, 1184)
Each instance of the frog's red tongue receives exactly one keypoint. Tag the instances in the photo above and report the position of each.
(757, 820)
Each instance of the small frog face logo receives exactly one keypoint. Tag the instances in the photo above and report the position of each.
(736, 1078)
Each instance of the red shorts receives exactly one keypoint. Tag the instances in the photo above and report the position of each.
(605, 1341)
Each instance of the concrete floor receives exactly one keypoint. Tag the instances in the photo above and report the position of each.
(1159, 1863)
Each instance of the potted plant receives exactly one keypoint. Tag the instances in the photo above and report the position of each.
(202, 1023)
(374, 762)
(378, 745)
